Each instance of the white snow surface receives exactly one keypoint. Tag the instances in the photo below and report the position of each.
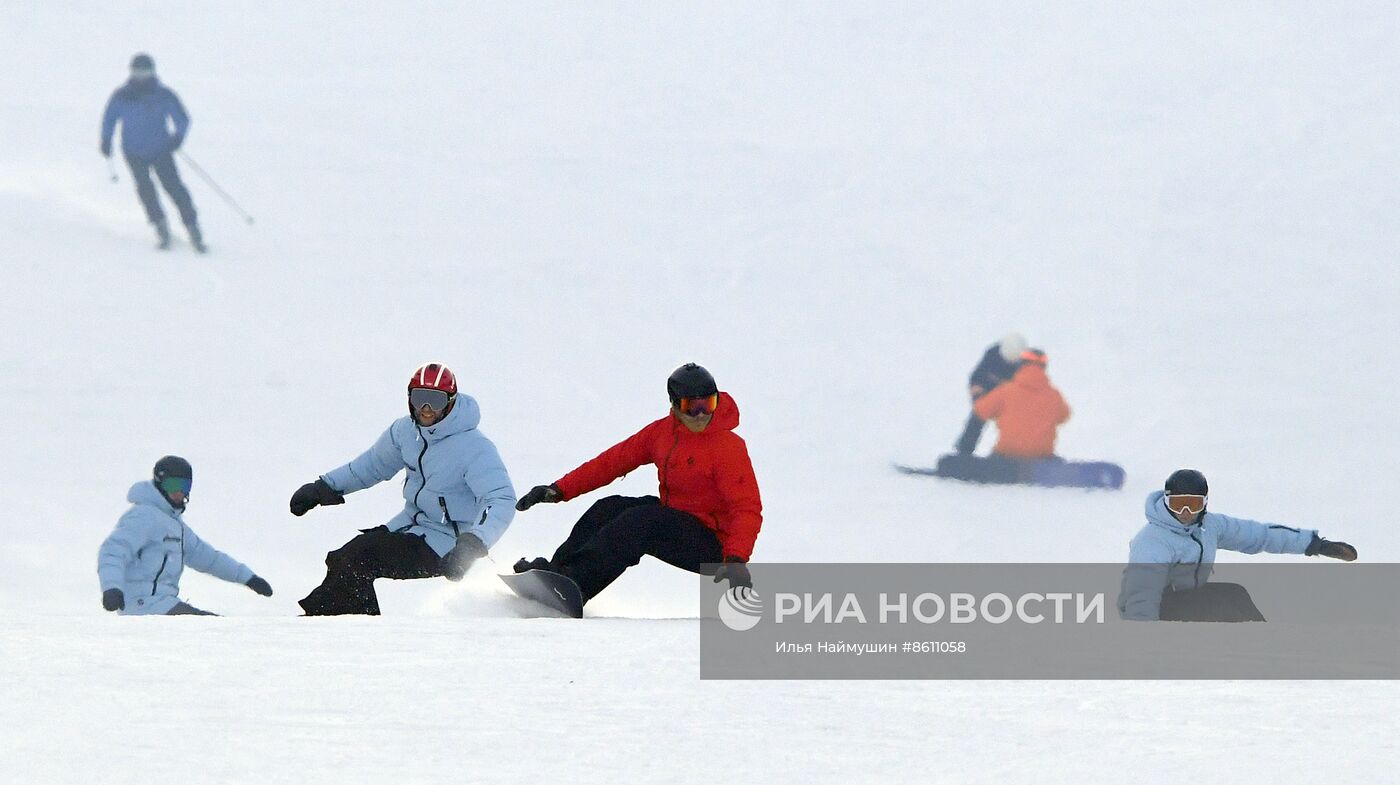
(835, 207)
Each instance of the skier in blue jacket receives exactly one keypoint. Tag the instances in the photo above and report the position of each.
(140, 562)
(146, 109)
(458, 498)
(1170, 559)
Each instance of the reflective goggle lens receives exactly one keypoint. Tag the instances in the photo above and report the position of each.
(698, 406)
(1186, 502)
(436, 400)
(171, 485)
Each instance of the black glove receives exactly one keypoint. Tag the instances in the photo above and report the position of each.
(736, 572)
(313, 494)
(106, 149)
(548, 494)
(1332, 550)
(260, 586)
(113, 600)
(468, 549)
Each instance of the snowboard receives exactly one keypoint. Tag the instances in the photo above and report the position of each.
(554, 591)
(1044, 472)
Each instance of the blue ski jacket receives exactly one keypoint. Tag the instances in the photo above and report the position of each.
(1168, 554)
(149, 549)
(143, 109)
(456, 483)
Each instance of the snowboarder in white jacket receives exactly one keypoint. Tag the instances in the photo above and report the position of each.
(140, 562)
(1171, 558)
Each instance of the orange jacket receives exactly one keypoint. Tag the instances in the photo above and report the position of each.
(1028, 410)
(706, 474)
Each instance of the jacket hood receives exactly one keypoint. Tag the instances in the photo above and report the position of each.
(726, 416)
(1159, 515)
(1030, 375)
(465, 415)
(145, 492)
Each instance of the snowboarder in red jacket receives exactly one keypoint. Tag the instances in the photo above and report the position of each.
(708, 511)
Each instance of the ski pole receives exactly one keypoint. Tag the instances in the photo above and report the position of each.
(228, 199)
(111, 169)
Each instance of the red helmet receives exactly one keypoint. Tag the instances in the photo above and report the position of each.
(434, 376)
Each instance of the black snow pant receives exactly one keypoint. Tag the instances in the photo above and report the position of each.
(1211, 602)
(618, 531)
(183, 609)
(352, 569)
(169, 176)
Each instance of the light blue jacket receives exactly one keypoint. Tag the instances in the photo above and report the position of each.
(456, 482)
(145, 554)
(1167, 554)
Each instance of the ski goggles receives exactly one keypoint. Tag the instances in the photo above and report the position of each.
(143, 73)
(698, 406)
(437, 400)
(173, 485)
(1192, 503)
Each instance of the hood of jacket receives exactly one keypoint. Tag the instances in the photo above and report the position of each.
(725, 418)
(465, 415)
(1032, 377)
(1158, 515)
(146, 493)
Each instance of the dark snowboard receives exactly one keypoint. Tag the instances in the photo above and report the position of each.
(1045, 472)
(550, 589)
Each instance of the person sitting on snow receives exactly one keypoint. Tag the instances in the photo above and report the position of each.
(458, 498)
(708, 512)
(1028, 410)
(140, 562)
(1170, 559)
(997, 366)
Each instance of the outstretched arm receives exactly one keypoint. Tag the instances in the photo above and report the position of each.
(1246, 536)
(375, 465)
(204, 557)
(611, 464)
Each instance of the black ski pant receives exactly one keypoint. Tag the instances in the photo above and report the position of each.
(618, 531)
(1211, 602)
(352, 569)
(169, 176)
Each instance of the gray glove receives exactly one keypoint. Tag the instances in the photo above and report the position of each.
(468, 549)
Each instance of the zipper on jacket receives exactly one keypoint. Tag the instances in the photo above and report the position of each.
(446, 516)
(156, 580)
(1200, 557)
(422, 475)
(666, 467)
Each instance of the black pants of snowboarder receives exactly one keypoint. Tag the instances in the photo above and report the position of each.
(185, 609)
(352, 569)
(169, 177)
(1228, 602)
(618, 531)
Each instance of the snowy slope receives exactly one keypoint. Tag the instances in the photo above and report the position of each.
(835, 209)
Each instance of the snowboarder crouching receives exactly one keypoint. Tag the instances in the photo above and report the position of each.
(140, 563)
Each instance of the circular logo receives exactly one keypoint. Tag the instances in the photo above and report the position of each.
(740, 609)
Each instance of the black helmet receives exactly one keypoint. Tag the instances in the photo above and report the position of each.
(143, 61)
(172, 466)
(1188, 481)
(690, 381)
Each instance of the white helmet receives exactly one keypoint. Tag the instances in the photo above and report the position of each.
(1011, 347)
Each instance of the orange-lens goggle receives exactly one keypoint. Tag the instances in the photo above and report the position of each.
(698, 406)
(1186, 503)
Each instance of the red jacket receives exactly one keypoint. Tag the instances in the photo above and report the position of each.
(1028, 411)
(706, 474)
